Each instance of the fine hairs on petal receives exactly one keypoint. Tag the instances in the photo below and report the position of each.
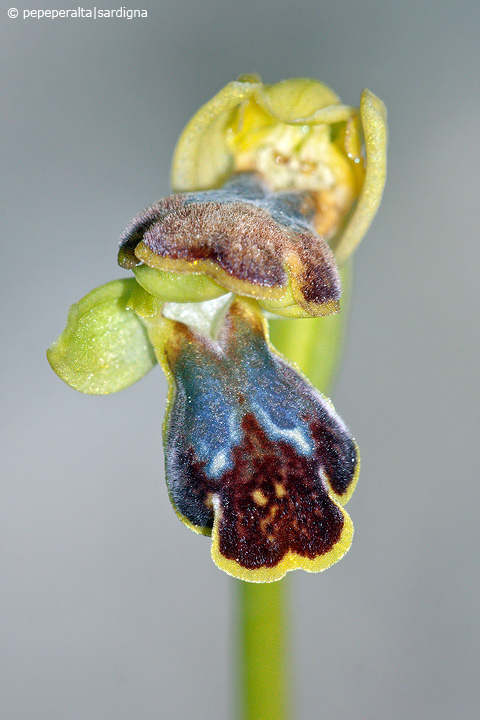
(243, 237)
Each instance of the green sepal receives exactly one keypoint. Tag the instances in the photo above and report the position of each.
(176, 286)
(143, 303)
(104, 347)
(373, 114)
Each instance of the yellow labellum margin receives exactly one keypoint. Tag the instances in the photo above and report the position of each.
(255, 456)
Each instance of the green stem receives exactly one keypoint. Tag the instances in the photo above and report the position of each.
(264, 652)
(315, 345)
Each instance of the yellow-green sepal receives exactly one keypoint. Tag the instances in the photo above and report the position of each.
(143, 303)
(104, 347)
(202, 159)
(373, 116)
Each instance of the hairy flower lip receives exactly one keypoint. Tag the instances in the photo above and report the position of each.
(255, 456)
(245, 238)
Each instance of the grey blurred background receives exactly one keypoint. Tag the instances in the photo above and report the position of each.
(110, 608)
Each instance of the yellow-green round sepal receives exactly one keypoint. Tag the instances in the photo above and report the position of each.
(104, 347)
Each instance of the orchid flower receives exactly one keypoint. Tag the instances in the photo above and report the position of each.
(274, 187)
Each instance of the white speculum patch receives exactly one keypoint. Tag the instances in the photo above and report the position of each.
(294, 436)
(222, 460)
(218, 464)
(203, 317)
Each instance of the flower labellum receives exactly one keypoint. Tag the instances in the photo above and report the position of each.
(254, 454)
